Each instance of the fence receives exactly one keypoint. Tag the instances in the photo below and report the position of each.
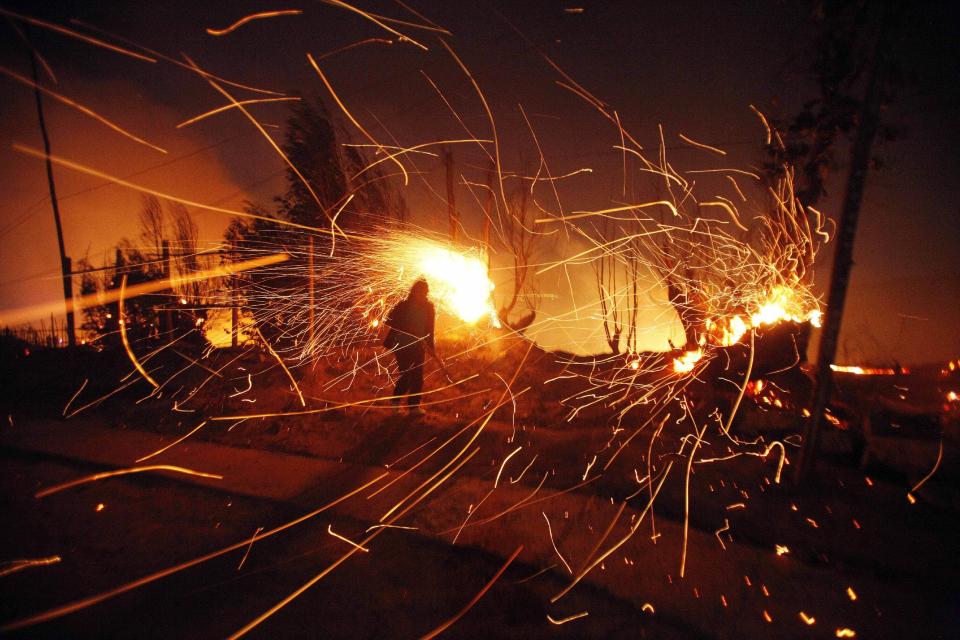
(51, 334)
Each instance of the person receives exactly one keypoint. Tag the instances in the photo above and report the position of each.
(410, 333)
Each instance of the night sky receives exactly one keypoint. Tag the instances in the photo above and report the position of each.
(692, 67)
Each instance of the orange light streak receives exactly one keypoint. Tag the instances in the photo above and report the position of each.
(303, 403)
(449, 623)
(12, 566)
(496, 480)
(25, 314)
(84, 603)
(79, 107)
(122, 472)
(698, 439)
(172, 444)
(347, 540)
(123, 335)
(354, 121)
(63, 162)
(575, 616)
(725, 527)
(250, 18)
(227, 107)
(302, 589)
(633, 529)
(701, 145)
(936, 465)
(75, 34)
(373, 19)
(552, 542)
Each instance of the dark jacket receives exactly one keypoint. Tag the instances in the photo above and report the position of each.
(411, 323)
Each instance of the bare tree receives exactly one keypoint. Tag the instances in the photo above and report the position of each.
(520, 241)
(186, 254)
(605, 270)
(152, 224)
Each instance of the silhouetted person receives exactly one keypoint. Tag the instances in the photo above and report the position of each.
(410, 332)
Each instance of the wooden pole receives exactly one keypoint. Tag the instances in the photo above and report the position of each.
(488, 214)
(65, 266)
(843, 258)
(235, 314)
(167, 317)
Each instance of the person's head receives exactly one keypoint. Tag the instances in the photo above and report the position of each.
(419, 290)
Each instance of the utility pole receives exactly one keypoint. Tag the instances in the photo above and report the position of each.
(452, 215)
(65, 266)
(166, 320)
(235, 305)
(488, 211)
(843, 258)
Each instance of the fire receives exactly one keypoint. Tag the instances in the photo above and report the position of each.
(459, 280)
(781, 304)
(686, 362)
(218, 328)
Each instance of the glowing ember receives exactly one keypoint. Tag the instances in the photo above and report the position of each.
(782, 550)
(844, 632)
(865, 371)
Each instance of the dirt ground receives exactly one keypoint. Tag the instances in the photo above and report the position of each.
(846, 552)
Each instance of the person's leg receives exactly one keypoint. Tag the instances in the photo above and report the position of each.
(403, 379)
(415, 381)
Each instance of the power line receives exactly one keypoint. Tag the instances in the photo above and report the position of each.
(33, 208)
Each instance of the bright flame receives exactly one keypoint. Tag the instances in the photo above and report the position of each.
(781, 304)
(218, 328)
(458, 279)
(686, 362)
